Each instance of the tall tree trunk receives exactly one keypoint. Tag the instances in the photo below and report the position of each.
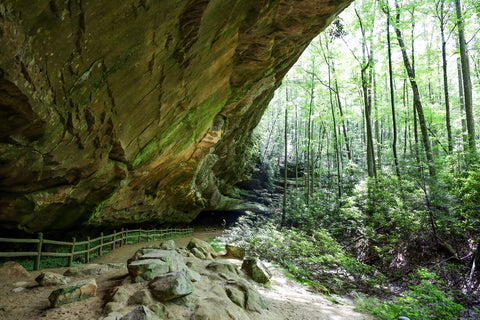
(441, 18)
(309, 138)
(345, 134)
(417, 103)
(377, 124)
(366, 74)
(392, 96)
(467, 83)
(462, 104)
(285, 162)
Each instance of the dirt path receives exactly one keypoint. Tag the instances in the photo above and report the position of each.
(124, 253)
(285, 297)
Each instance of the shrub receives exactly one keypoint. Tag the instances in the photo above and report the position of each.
(426, 300)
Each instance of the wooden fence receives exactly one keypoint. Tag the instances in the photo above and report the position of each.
(90, 247)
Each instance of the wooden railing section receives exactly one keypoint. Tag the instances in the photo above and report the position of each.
(97, 246)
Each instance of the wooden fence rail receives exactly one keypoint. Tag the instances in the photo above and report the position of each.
(97, 246)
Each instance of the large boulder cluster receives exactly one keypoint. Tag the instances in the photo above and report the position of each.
(164, 282)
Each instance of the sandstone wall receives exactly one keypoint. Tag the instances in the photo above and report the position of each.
(127, 111)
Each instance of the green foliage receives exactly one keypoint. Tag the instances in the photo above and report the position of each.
(429, 299)
(314, 257)
(463, 183)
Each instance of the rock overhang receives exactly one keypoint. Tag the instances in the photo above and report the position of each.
(136, 111)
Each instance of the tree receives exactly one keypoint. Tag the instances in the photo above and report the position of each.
(467, 82)
(417, 102)
(441, 15)
(392, 94)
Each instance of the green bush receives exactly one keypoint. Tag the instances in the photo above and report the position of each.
(311, 257)
(426, 300)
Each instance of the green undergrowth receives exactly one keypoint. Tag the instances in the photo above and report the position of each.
(313, 258)
(428, 298)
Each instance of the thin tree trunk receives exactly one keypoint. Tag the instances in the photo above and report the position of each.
(467, 83)
(392, 96)
(417, 103)
(462, 104)
(441, 18)
(345, 134)
(366, 74)
(285, 163)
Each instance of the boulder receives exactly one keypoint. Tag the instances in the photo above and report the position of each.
(148, 269)
(142, 297)
(119, 295)
(244, 295)
(140, 313)
(170, 286)
(77, 291)
(92, 269)
(147, 264)
(234, 251)
(256, 270)
(202, 246)
(172, 258)
(224, 269)
(51, 279)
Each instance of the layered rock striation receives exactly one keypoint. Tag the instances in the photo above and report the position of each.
(124, 111)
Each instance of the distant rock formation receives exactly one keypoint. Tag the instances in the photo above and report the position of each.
(118, 112)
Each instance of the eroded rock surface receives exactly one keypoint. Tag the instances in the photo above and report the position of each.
(115, 112)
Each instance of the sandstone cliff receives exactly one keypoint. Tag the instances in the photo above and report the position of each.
(127, 111)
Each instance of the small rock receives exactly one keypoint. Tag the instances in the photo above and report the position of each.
(77, 291)
(23, 284)
(171, 286)
(235, 251)
(51, 279)
(256, 270)
(113, 316)
(140, 313)
(403, 318)
(18, 289)
(161, 311)
(91, 269)
(167, 245)
(112, 307)
(120, 295)
(142, 297)
(13, 270)
(203, 246)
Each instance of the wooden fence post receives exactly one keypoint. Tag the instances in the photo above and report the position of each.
(72, 251)
(100, 249)
(113, 241)
(87, 254)
(139, 235)
(121, 237)
(39, 251)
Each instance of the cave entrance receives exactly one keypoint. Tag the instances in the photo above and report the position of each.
(217, 218)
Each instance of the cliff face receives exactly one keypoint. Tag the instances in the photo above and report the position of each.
(127, 111)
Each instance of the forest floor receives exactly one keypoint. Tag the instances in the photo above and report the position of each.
(285, 297)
